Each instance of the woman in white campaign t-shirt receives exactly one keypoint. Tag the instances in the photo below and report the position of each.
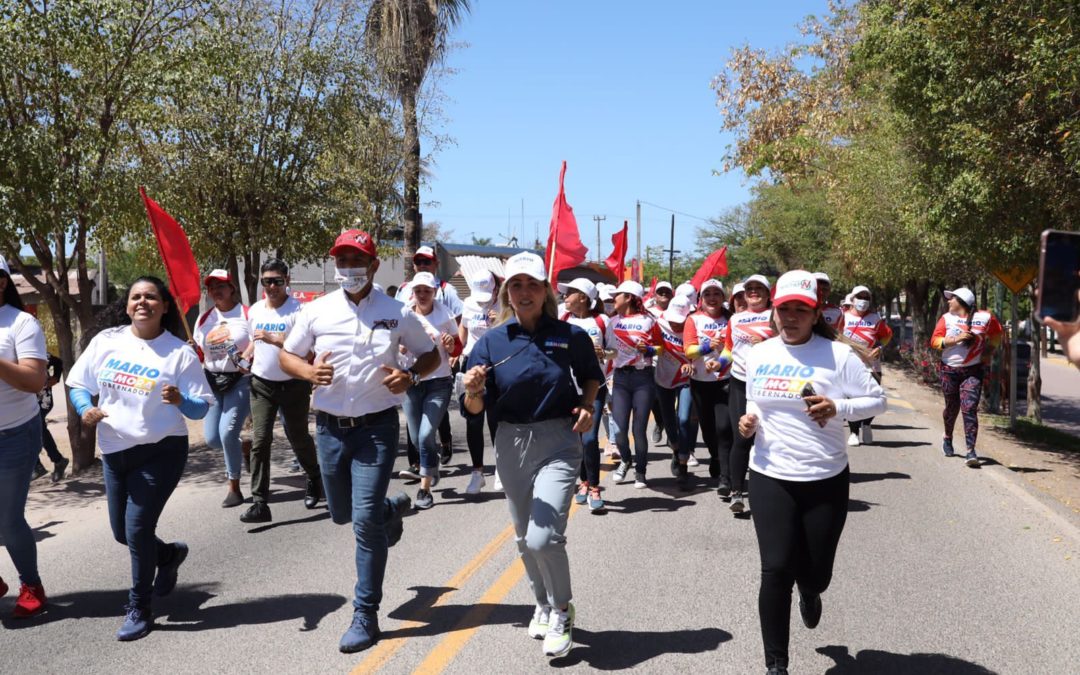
(478, 314)
(223, 334)
(425, 403)
(800, 389)
(146, 381)
(22, 375)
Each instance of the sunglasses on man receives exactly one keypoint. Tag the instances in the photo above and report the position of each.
(267, 282)
(423, 261)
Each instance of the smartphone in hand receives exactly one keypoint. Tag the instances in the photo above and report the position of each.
(1059, 276)
(808, 391)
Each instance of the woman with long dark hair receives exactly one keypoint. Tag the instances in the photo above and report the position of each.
(800, 389)
(673, 370)
(703, 340)
(22, 375)
(146, 381)
(632, 340)
(527, 373)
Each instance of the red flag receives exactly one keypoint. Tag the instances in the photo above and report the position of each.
(652, 290)
(635, 271)
(176, 253)
(616, 262)
(564, 247)
(714, 266)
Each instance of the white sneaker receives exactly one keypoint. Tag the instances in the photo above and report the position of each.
(475, 483)
(498, 483)
(619, 474)
(693, 461)
(558, 640)
(538, 626)
(853, 439)
(639, 484)
(867, 434)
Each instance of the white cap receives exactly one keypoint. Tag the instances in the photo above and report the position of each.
(606, 292)
(580, 284)
(4, 266)
(713, 283)
(847, 301)
(632, 287)
(678, 309)
(859, 289)
(821, 276)
(687, 290)
(482, 285)
(528, 264)
(738, 288)
(964, 295)
(761, 279)
(424, 279)
(796, 285)
(664, 284)
(425, 252)
(217, 275)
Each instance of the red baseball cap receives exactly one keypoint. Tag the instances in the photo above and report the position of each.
(357, 239)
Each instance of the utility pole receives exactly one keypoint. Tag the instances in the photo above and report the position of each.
(671, 254)
(638, 254)
(598, 219)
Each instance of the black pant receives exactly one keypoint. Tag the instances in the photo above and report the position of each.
(798, 527)
(49, 442)
(711, 403)
(855, 426)
(740, 447)
(292, 398)
(474, 436)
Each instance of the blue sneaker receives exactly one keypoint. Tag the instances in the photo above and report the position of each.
(946, 447)
(165, 581)
(596, 502)
(137, 623)
(972, 459)
(363, 632)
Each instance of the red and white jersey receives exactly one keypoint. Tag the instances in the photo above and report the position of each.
(744, 330)
(623, 335)
(670, 361)
(834, 316)
(595, 327)
(984, 326)
(701, 325)
(869, 330)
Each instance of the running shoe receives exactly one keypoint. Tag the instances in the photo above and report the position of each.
(714, 467)
(165, 581)
(639, 481)
(619, 474)
(724, 490)
(138, 621)
(498, 482)
(258, 512)
(657, 435)
(683, 479)
(777, 670)
(971, 459)
(423, 500)
(558, 640)
(674, 464)
(693, 461)
(810, 609)
(947, 448)
(737, 505)
(31, 601)
(538, 625)
(59, 468)
(447, 453)
(39, 471)
(867, 434)
(476, 482)
(596, 502)
(853, 439)
(412, 473)
(582, 492)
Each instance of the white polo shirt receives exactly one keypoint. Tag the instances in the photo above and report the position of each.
(361, 338)
(21, 337)
(281, 320)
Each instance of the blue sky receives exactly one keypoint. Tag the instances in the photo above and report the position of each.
(620, 90)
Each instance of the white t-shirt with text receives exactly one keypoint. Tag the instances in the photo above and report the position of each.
(21, 337)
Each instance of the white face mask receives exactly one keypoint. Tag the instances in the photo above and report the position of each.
(609, 307)
(351, 279)
(862, 305)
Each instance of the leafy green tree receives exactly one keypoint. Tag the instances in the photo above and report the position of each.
(406, 38)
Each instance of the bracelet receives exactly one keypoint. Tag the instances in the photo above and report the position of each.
(476, 394)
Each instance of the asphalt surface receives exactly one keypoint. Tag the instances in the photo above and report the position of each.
(1060, 395)
(941, 569)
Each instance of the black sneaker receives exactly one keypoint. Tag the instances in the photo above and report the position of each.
(446, 453)
(683, 479)
(810, 609)
(714, 467)
(777, 670)
(259, 512)
(971, 459)
(313, 493)
(737, 505)
(39, 471)
(423, 500)
(393, 511)
(724, 490)
(657, 436)
(165, 581)
(947, 448)
(674, 464)
(412, 473)
(59, 468)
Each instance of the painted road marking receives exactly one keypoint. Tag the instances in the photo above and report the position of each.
(900, 403)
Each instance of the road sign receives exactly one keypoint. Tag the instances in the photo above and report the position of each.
(1016, 279)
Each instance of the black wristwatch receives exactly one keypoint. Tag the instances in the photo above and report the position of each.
(414, 377)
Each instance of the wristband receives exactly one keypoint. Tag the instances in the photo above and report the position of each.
(706, 346)
(650, 351)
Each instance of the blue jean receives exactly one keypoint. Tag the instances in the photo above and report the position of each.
(19, 448)
(676, 413)
(590, 442)
(634, 391)
(356, 465)
(223, 423)
(425, 407)
(138, 482)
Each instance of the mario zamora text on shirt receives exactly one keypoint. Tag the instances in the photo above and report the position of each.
(780, 381)
(127, 376)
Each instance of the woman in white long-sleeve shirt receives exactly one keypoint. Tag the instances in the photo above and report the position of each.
(801, 389)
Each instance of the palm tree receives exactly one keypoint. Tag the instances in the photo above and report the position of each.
(406, 37)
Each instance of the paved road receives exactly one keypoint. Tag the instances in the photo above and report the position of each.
(941, 569)
(1060, 395)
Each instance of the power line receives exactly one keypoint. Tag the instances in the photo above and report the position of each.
(688, 215)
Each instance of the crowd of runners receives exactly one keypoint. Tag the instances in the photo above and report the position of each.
(550, 378)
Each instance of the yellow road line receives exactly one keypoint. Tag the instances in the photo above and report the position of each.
(900, 403)
(381, 654)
